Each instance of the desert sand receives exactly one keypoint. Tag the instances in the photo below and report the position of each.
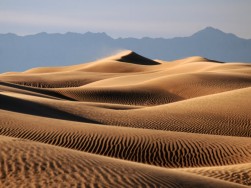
(127, 121)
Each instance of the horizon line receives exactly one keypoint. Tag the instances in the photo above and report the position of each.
(104, 33)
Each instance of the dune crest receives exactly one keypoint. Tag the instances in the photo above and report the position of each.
(127, 121)
(132, 57)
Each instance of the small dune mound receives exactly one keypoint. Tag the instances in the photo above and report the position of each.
(193, 59)
(200, 59)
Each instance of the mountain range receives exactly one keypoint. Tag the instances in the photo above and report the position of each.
(18, 53)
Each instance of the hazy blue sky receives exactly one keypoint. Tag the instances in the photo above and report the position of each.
(134, 18)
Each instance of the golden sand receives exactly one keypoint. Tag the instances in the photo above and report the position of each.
(127, 121)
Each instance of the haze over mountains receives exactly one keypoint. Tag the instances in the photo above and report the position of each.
(18, 53)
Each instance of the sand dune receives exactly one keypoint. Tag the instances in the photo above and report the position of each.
(127, 121)
(159, 148)
(33, 164)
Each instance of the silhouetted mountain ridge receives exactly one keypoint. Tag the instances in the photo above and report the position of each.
(18, 53)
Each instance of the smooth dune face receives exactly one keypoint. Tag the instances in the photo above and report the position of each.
(127, 121)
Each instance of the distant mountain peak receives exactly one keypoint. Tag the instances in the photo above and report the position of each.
(212, 29)
(209, 31)
(212, 33)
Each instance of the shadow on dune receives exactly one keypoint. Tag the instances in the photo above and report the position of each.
(37, 90)
(27, 107)
(137, 59)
